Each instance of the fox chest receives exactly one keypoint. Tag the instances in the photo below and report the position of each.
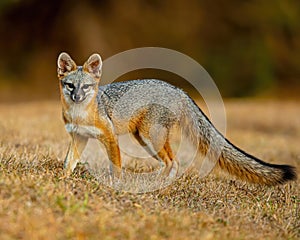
(78, 121)
(76, 113)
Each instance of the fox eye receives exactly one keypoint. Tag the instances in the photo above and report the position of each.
(86, 86)
(70, 86)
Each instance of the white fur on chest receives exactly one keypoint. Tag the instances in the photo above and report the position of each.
(77, 111)
(83, 130)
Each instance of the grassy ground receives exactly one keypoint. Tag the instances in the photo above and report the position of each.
(37, 202)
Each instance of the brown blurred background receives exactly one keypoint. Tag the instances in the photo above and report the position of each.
(250, 48)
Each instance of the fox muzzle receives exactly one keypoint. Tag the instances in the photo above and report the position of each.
(77, 96)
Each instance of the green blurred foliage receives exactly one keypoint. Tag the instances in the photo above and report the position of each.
(249, 47)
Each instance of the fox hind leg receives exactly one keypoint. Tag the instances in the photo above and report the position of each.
(174, 167)
(146, 145)
(163, 153)
(171, 165)
(160, 139)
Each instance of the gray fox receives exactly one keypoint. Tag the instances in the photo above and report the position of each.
(137, 107)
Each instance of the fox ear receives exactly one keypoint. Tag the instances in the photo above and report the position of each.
(93, 65)
(65, 64)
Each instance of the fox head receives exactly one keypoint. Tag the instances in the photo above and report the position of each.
(78, 83)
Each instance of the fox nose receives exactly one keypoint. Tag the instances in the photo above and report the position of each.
(76, 98)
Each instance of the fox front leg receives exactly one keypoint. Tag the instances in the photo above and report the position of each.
(113, 151)
(74, 153)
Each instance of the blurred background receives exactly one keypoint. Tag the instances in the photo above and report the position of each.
(250, 48)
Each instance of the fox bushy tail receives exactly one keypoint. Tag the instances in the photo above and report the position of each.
(249, 168)
(229, 157)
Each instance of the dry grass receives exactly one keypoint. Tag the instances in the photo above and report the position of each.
(37, 202)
